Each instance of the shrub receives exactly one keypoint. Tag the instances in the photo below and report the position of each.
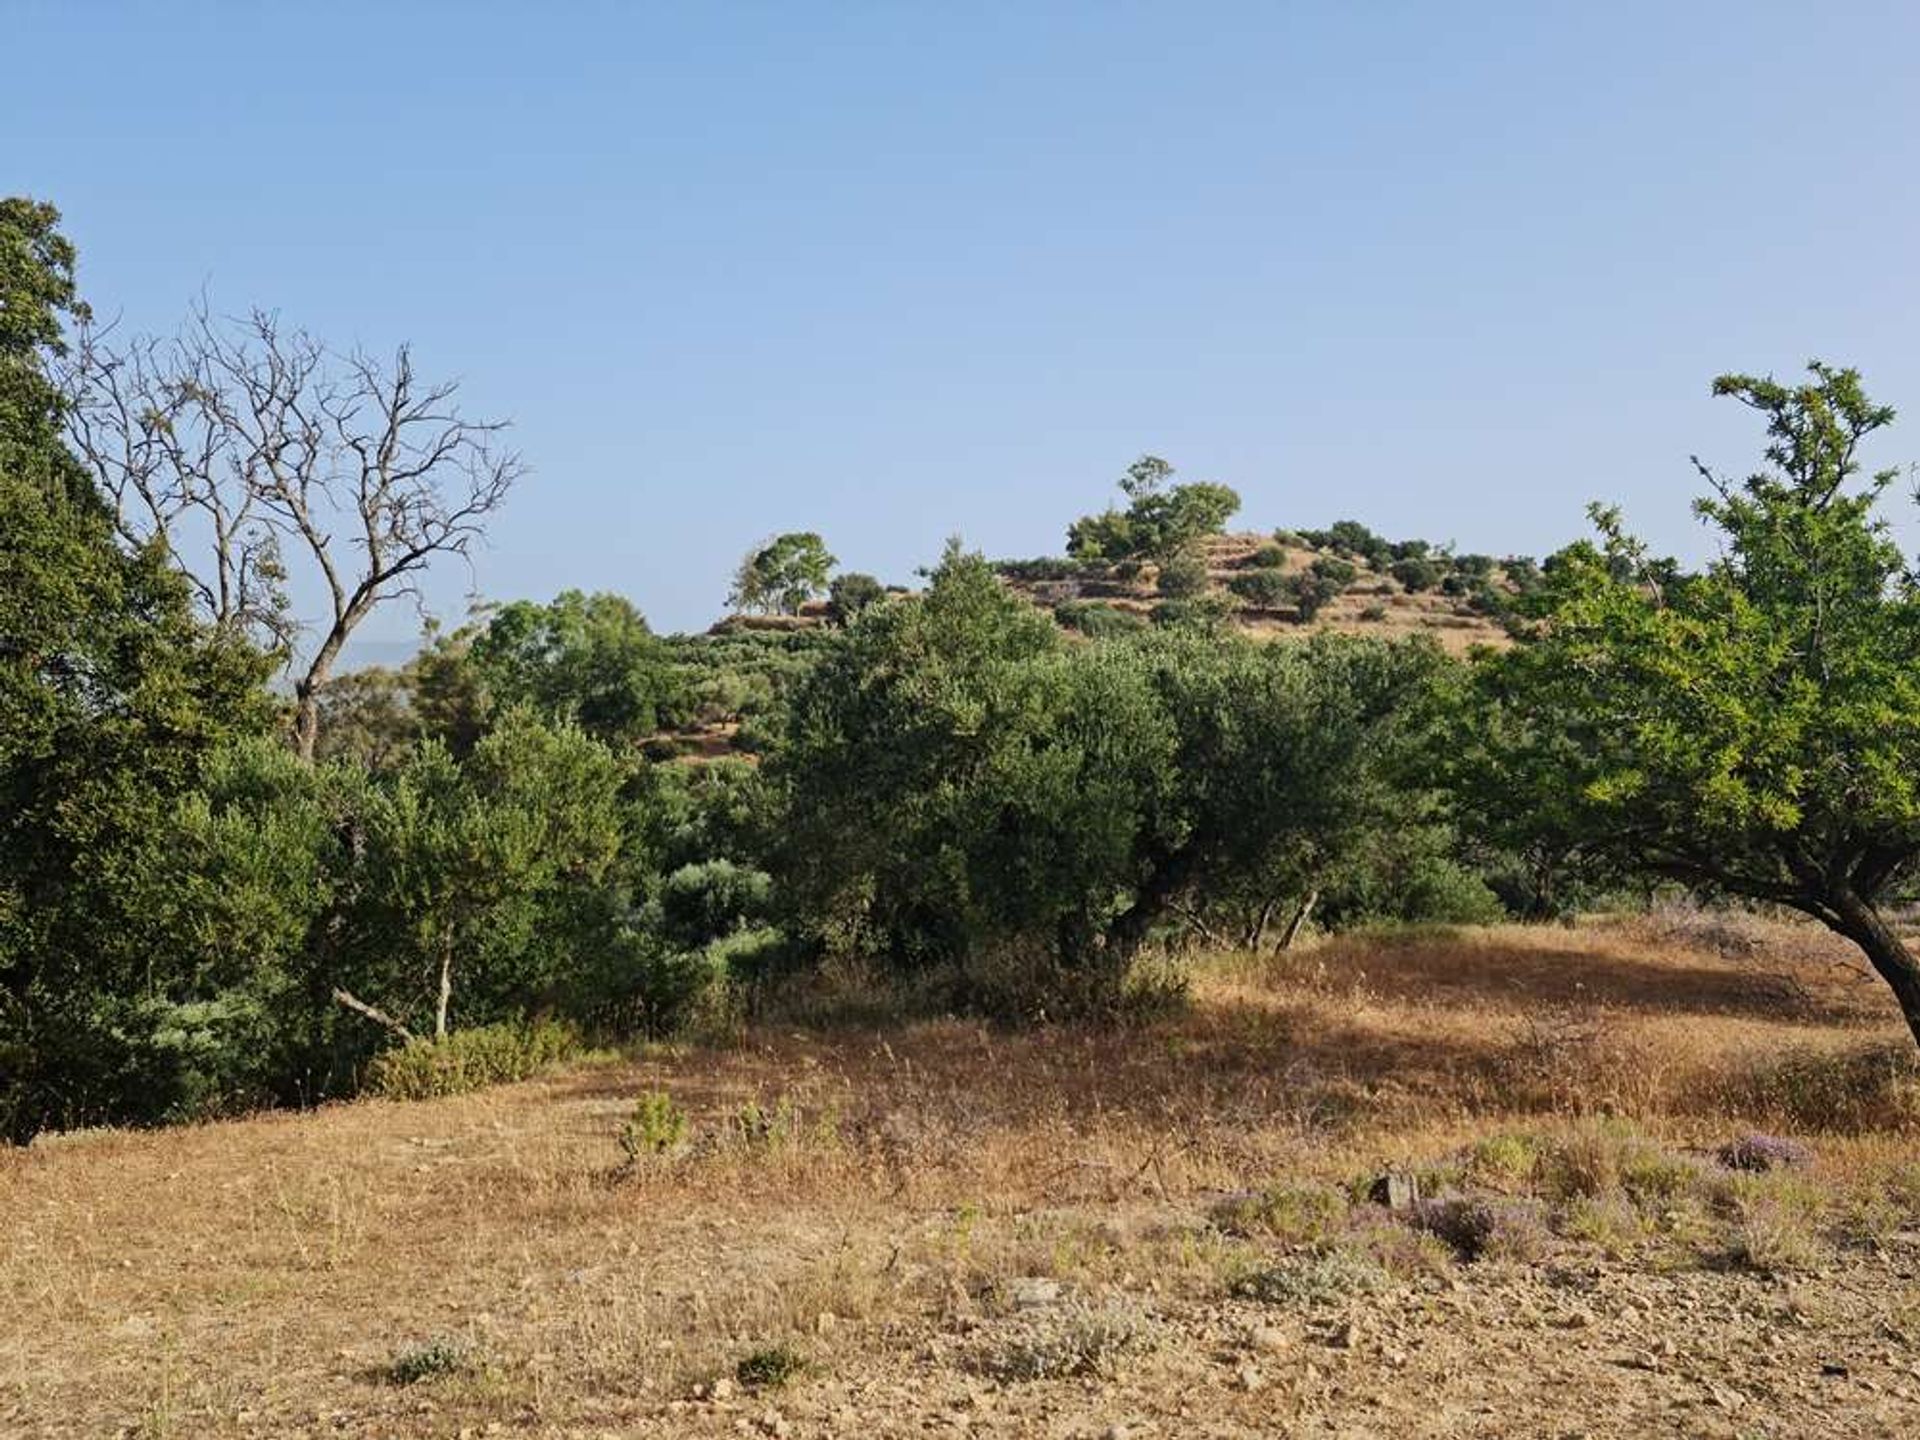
(1097, 620)
(1267, 557)
(1266, 588)
(1403, 1252)
(1773, 1227)
(1505, 1161)
(1200, 612)
(1293, 1213)
(469, 1059)
(769, 1368)
(1610, 1222)
(1183, 576)
(1759, 1153)
(1477, 1229)
(851, 593)
(657, 1127)
(1071, 1339)
(1310, 1281)
(1048, 567)
(442, 1355)
(1522, 572)
(1416, 575)
(1350, 537)
(1487, 598)
(1310, 593)
(711, 899)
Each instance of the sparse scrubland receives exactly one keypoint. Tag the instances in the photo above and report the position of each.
(1669, 1171)
(1199, 984)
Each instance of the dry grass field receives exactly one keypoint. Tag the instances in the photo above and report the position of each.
(1161, 1229)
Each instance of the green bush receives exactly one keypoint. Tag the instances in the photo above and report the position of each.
(657, 1127)
(1293, 1213)
(469, 1060)
(1183, 576)
(1416, 574)
(1267, 588)
(769, 1368)
(712, 898)
(442, 1355)
(1097, 620)
(851, 593)
(1310, 594)
(1202, 612)
(1046, 567)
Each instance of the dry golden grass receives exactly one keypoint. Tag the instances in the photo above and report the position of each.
(262, 1276)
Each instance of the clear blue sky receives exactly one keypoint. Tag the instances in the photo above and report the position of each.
(894, 271)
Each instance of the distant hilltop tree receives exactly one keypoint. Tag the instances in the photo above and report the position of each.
(1161, 521)
(780, 576)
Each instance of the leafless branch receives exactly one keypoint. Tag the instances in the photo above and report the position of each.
(242, 446)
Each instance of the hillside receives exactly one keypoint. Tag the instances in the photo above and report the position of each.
(1373, 602)
(1460, 606)
(937, 1227)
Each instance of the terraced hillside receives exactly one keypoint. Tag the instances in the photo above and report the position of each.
(1373, 602)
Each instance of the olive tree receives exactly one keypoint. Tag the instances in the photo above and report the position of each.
(959, 780)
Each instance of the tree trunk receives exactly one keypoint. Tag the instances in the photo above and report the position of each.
(1860, 922)
(1299, 919)
(446, 986)
(306, 691)
(1257, 932)
(1167, 886)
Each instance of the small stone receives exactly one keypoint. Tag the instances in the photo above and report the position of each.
(1395, 1191)
(721, 1390)
(1249, 1379)
(1269, 1337)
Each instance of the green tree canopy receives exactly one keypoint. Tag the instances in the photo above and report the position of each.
(1754, 728)
(783, 574)
(1161, 521)
(111, 695)
(961, 782)
(587, 659)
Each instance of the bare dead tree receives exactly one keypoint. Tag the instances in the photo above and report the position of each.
(246, 448)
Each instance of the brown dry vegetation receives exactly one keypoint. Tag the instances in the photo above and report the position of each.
(937, 1218)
